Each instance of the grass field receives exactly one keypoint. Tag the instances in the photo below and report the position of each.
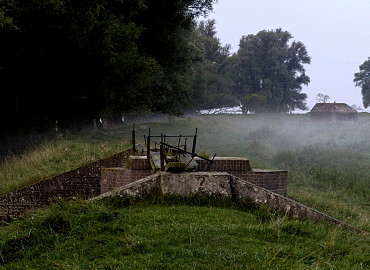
(170, 234)
(329, 169)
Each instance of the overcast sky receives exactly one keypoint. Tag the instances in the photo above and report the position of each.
(336, 34)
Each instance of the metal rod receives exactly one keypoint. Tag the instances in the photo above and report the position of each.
(194, 143)
(209, 162)
(173, 136)
(186, 152)
(138, 132)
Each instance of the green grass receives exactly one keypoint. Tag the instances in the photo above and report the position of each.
(163, 233)
(54, 157)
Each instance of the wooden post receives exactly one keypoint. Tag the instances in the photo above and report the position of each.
(178, 151)
(161, 153)
(148, 149)
(133, 138)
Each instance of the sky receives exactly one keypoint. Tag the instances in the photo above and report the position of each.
(336, 34)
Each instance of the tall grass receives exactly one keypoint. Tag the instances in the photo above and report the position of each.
(52, 157)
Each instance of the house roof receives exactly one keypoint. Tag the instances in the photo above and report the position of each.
(332, 107)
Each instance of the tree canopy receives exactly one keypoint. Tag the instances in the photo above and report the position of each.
(271, 65)
(66, 59)
(212, 82)
(362, 79)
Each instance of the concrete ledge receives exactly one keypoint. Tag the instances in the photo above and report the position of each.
(139, 188)
(222, 186)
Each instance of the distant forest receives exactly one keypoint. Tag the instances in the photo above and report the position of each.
(62, 61)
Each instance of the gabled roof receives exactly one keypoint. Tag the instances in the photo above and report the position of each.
(332, 107)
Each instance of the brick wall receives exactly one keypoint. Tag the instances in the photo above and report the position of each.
(83, 181)
(115, 177)
(112, 178)
(274, 180)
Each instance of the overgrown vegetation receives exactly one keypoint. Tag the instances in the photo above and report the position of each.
(53, 157)
(170, 234)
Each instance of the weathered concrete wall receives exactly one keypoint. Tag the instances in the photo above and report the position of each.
(203, 183)
(220, 185)
(84, 181)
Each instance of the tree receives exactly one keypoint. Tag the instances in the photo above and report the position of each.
(62, 60)
(212, 82)
(362, 79)
(269, 64)
(254, 103)
(321, 98)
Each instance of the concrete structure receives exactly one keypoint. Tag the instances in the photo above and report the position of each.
(220, 185)
(274, 180)
(333, 112)
(123, 176)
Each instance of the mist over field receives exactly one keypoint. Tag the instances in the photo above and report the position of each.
(328, 162)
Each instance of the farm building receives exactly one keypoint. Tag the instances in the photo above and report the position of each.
(333, 111)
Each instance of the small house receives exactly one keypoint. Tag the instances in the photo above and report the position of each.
(333, 112)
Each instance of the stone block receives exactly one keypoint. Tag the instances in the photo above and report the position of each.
(203, 183)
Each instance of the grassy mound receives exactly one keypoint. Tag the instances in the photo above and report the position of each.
(163, 233)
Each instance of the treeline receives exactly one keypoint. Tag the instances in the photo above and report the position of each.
(66, 60)
(62, 61)
(266, 74)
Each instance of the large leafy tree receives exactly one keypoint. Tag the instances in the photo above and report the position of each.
(65, 59)
(362, 79)
(271, 65)
(212, 81)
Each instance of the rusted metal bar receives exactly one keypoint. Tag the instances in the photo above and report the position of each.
(186, 152)
(174, 136)
(194, 143)
(209, 162)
